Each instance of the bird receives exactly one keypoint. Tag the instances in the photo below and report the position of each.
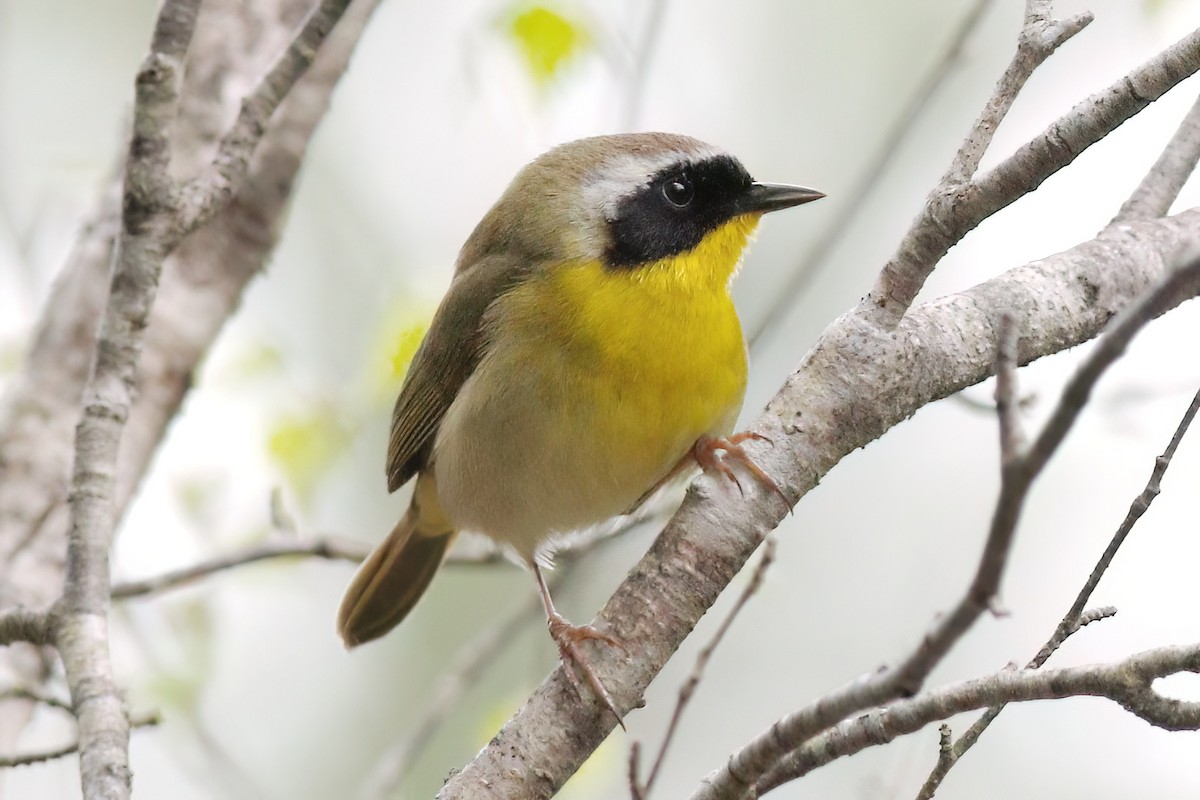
(587, 352)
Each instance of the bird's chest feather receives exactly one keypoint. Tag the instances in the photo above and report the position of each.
(637, 363)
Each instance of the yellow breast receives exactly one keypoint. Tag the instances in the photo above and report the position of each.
(650, 357)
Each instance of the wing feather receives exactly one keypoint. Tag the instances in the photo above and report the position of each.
(447, 356)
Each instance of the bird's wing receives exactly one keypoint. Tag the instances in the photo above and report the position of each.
(446, 358)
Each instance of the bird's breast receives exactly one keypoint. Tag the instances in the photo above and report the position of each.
(595, 383)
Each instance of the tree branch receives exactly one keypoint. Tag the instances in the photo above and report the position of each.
(639, 790)
(1162, 184)
(953, 210)
(1128, 683)
(1075, 618)
(209, 193)
(25, 759)
(200, 289)
(328, 548)
(1040, 36)
(852, 201)
(22, 625)
(81, 613)
(152, 224)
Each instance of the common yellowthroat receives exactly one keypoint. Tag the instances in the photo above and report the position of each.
(586, 351)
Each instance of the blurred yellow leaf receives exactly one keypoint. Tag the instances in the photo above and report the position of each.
(400, 334)
(256, 361)
(180, 684)
(546, 40)
(404, 347)
(201, 495)
(304, 446)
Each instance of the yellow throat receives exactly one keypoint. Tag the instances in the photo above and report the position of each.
(655, 351)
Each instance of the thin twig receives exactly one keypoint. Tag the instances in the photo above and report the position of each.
(327, 548)
(1075, 618)
(636, 790)
(23, 693)
(688, 689)
(950, 215)
(957, 204)
(25, 759)
(1012, 438)
(1128, 682)
(1161, 185)
(869, 177)
(483, 552)
(1040, 36)
(949, 752)
(211, 192)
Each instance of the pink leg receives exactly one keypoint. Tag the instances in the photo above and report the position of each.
(569, 637)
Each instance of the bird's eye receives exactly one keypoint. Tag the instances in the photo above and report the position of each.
(678, 191)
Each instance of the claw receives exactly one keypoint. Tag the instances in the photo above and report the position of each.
(568, 637)
(711, 453)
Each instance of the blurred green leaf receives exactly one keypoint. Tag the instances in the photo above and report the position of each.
(404, 347)
(546, 40)
(399, 336)
(180, 686)
(256, 361)
(200, 497)
(303, 447)
(11, 354)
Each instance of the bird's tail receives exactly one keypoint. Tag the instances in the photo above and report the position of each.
(393, 578)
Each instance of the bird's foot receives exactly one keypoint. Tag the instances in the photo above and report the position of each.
(713, 454)
(569, 639)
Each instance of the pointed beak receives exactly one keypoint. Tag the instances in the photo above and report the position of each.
(764, 197)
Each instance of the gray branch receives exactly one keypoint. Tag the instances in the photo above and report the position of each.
(1129, 683)
(22, 625)
(1076, 617)
(953, 210)
(152, 224)
(1162, 184)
